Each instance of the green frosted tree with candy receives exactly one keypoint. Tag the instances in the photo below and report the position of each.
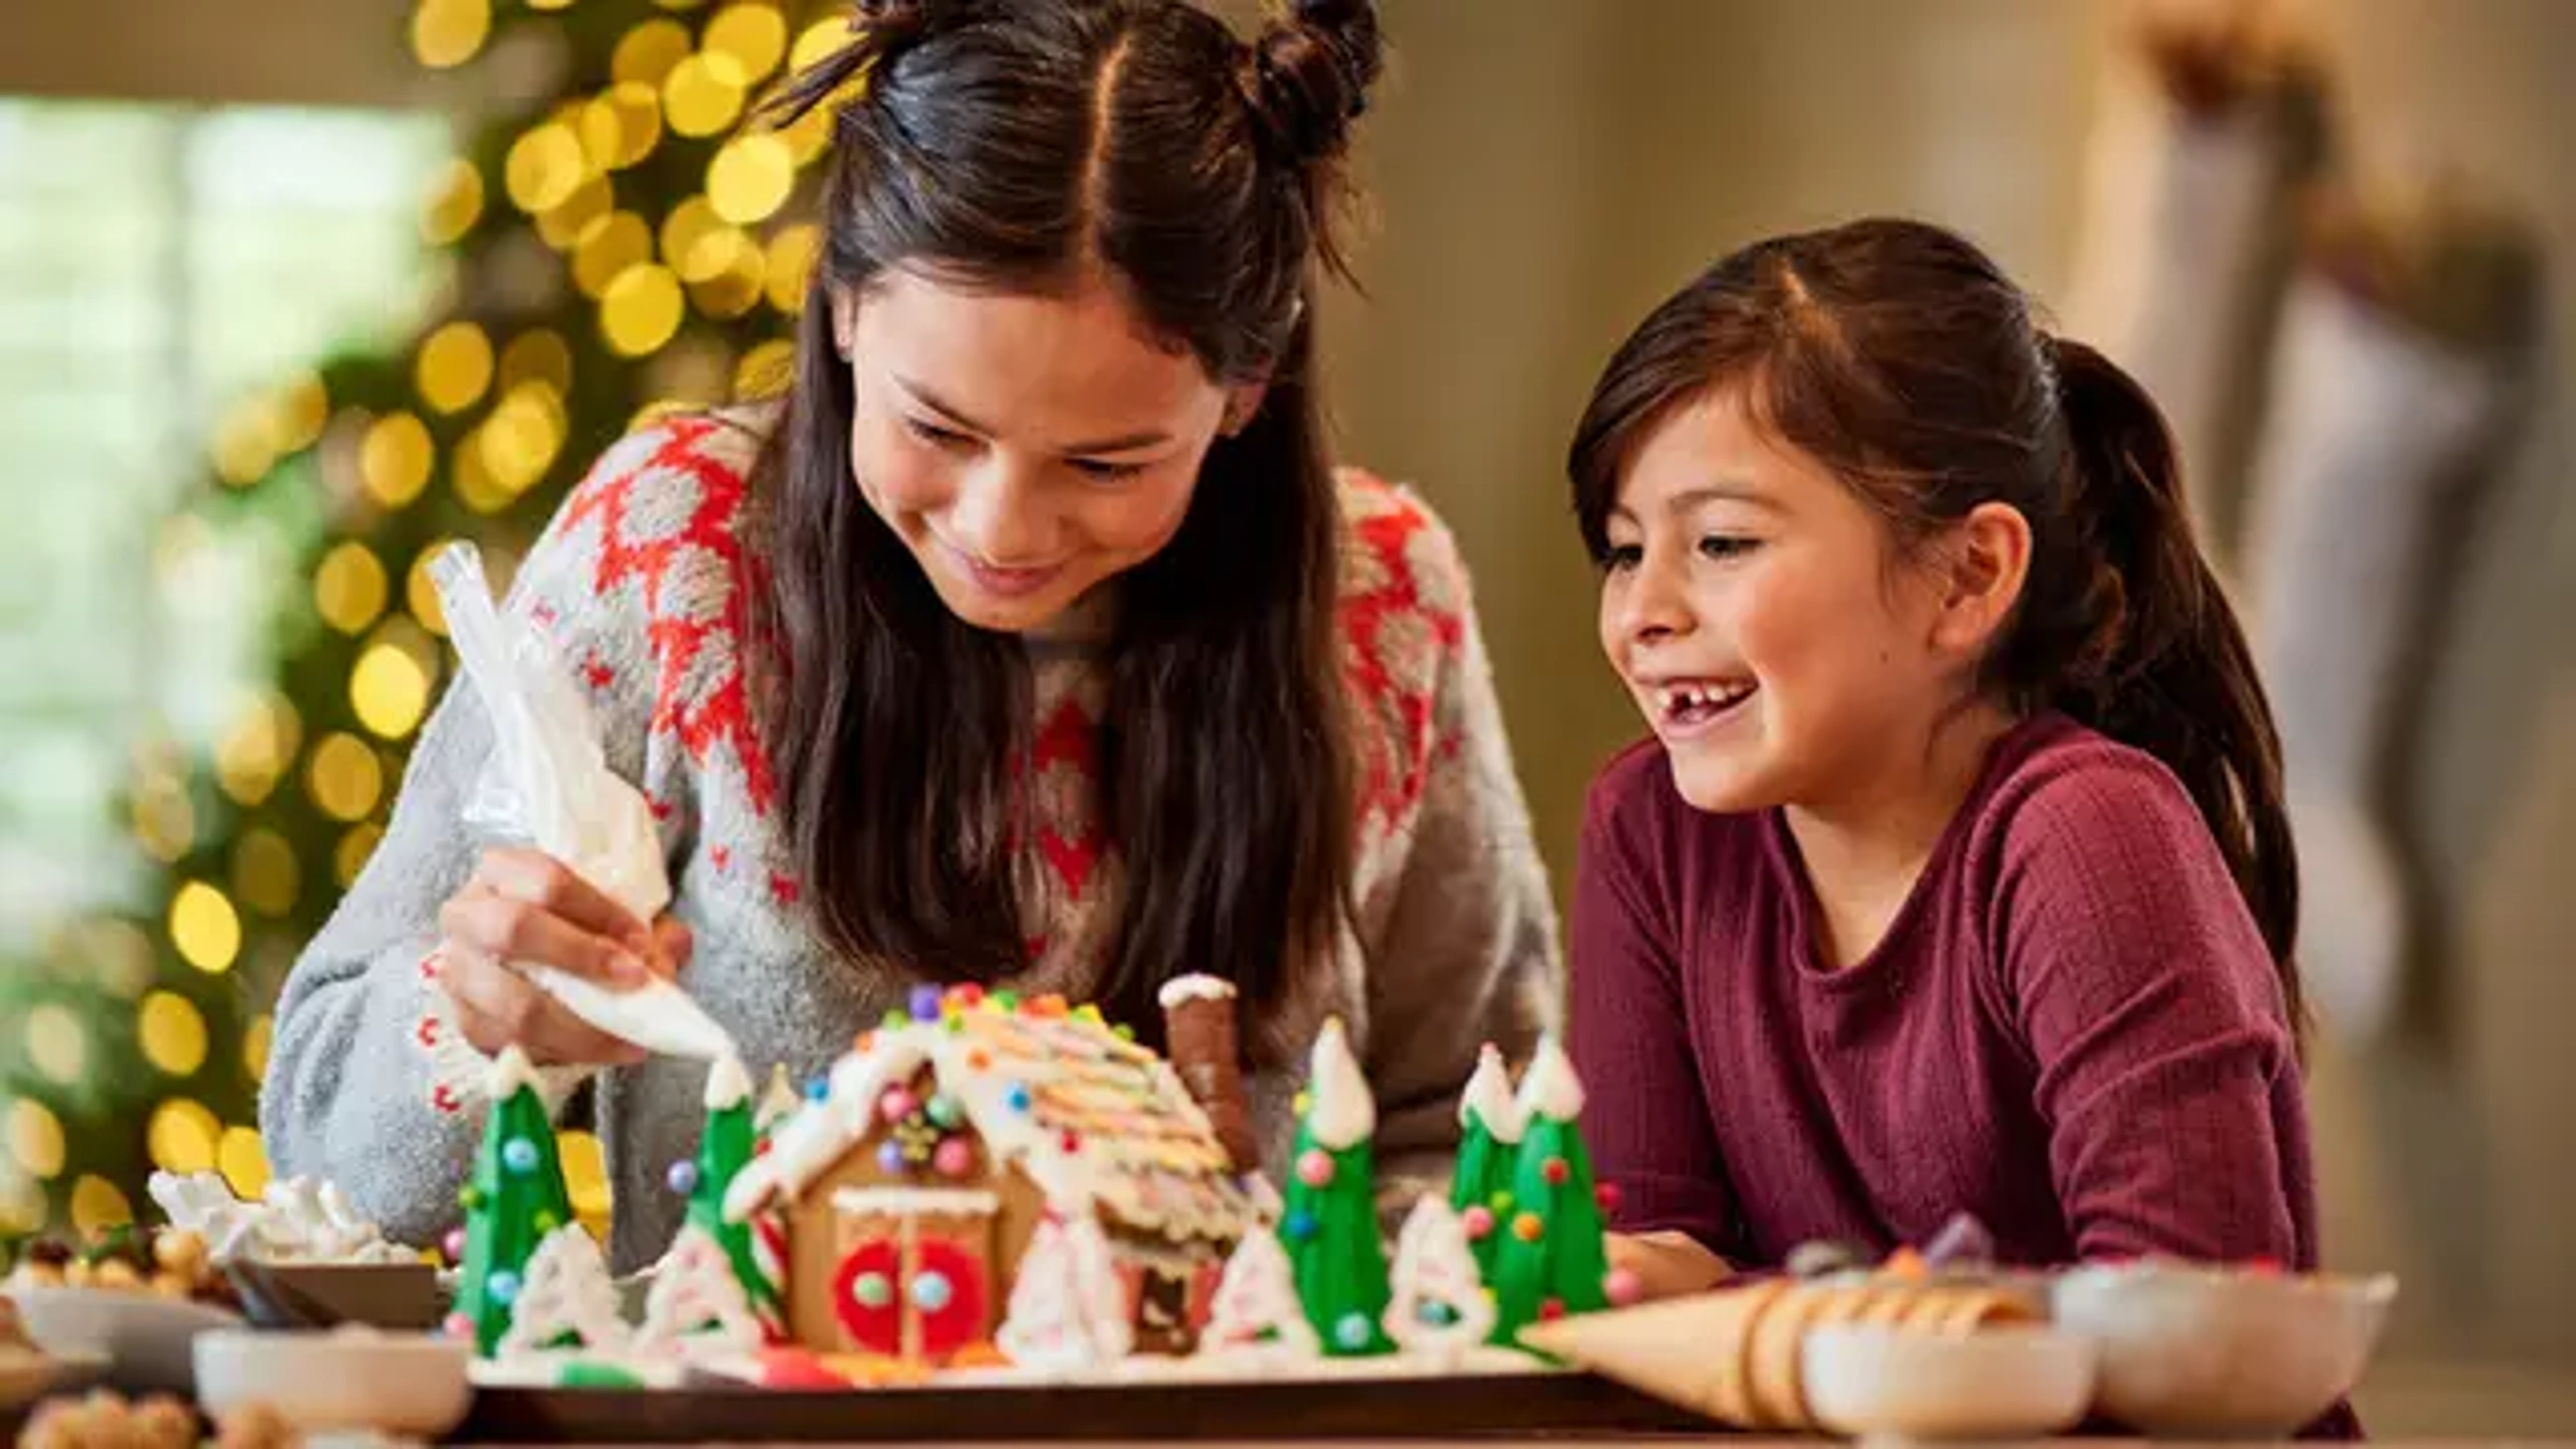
(1329, 1223)
(1480, 1188)
(726, 1147)
(515, 1198)
(1551, 1260)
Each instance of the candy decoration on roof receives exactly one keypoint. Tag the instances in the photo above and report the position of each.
(1480, 1187)
(514, 1199)
(1552, 1261)
(1330, 1227)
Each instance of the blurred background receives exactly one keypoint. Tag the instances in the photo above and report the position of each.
(292, 290)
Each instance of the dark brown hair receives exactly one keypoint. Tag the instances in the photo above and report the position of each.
(1902, 359)
(1022, 145)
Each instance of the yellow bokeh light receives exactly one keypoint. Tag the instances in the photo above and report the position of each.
(119, 958)
(585, 1170)
(35, 1139)
(736, 289)
(607, 249)
(297, 414)
(716, 251)
(388, 691)
(454, 367)
(472, 479)
(243, 1160)
(745, 42)
(345, 778)
(173, 1033)
(448, 33)
(349, 587)
(646, 54)
(264, 872)
(698, 99)
(544, 168)
(57, 1045)
(621, 125)
(750, 178)
(165, 821)
(22, 1203)
(537, 356)
(254, 752)
(688, 225)
(255, 1044)
(766, 370)
(549, 4)
(809, 135)
(350, 856)
(640, 310)
(817, 42)
(204, 927)
(791, 266)
(242, 454)
(395, 458)
(522, 437)
(455, 203)
(182, 1136)
(565, 226)
(97, 1205)
(422, 591)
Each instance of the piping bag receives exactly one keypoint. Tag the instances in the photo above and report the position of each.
(548, 784)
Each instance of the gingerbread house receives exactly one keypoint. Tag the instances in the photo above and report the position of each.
(897, 1202)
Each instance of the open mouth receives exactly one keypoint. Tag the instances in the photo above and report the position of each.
(1688, 704)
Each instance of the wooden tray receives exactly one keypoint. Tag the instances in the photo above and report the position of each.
(1449, 1407)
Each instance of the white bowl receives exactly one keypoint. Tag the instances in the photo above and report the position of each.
(143, 1336)
(1883, 1382)
(2214, 1353)
(342, 1379)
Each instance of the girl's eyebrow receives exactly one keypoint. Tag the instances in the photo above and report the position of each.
(1125, 442)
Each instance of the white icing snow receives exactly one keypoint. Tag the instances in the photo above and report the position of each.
(1549, 1089)
(1489, 1097)
(925, 1201)
(1197, 987)
(511, 1070)
(1341, 1113)
(728, 1085)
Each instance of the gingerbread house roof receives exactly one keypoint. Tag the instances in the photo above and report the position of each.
(1098, 1123)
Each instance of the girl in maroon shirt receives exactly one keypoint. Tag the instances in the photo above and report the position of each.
(1955, 877)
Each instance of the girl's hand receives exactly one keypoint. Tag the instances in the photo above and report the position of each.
(1667, 1265)
(524, 905)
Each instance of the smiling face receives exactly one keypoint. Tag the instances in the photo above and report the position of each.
(1027, 448)
(1752, 608)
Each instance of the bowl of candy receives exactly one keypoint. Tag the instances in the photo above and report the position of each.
(131, 1299)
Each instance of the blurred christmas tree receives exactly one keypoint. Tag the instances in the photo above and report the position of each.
(620, 242)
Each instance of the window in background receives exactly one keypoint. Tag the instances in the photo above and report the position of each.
(156, 262)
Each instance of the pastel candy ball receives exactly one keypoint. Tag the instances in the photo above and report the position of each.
(1528, 1228)
(458, 1326)
(925, 1003)
(872, 1290)
(1353, 1331)
(932, 1292)
(1479, 1223)
(519, 1155)
(1607, 1195)
(1315, 1168)
(818, 1089)
(502, 1287)
(897, 1104)
(1298, 1226)
(1017, 1098)
(945, 1111)
(454, 1245)
(954, 1158)
(890, 1157)
(683, 1177)
(1555, 1171)
(1622, 1287)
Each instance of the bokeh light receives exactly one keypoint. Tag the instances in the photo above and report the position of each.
(204, 927)
(344, 778)
(389, 691)
(173, 1032)
(349, 587)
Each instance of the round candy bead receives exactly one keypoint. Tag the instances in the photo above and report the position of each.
(454, 1245)
(945, 1111)
(1353, 1331)
(890, 1157)
(1479, 1223)
(683, 1177)
(872, 1290)
(502, 1287)
(818, 1089)
(458, 1326)
(1622, 1287)
(519, 1155)
(1315, 1168)
(1017, 1097)
(1555, 1171)
(1528, 1227)
(1298, 1226)
(925, 1003)
(896, 1104)
(954, 1157)
(932, 1292)
(1435, 1313)
(1551, 1310)
(1607, 1195)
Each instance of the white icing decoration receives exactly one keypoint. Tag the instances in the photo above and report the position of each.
(299, 1220)
(1341, 1113)
(1488, 1098)
(1434, 1265)
(567, 1288)
(696, 1305)
(728, 1085)
(1195, 987)
(777, 1102)
(1549, 1089)
(1255, 1309)
(904, 1201)
(511, 1070)
(1068, 1307)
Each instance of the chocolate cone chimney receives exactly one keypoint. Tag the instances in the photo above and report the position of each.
(1199, 1033)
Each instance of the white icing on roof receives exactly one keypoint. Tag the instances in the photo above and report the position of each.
(1341, 1112)
(1488, 1097)
(954, 1201)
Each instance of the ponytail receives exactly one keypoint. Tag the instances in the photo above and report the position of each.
(2161, 663)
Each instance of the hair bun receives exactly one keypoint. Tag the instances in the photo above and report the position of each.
(1311, 73)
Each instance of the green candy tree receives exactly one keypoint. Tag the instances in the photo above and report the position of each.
(515, 1198)
(1480, 1187)
(726, 1148)
(1329, 1223)
(1551, 1260)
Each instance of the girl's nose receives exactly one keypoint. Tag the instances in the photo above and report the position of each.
(1001, 514)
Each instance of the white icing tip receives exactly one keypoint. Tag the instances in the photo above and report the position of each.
(1341, 1113)
(1550, 1089)
(511, 1070)
(1488, 1098)
(1195, 987)
(728, 1085)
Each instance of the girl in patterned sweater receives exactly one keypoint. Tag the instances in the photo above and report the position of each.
(1955, 877)
(1028, 641)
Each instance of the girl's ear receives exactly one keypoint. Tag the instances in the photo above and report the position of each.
(1982, 571)
(1242, 404)
(845, 320)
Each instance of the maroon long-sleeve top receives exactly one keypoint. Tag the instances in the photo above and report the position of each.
(2072, 1028)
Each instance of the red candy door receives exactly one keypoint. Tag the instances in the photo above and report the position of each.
(867, 1295)
(946, 1295)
